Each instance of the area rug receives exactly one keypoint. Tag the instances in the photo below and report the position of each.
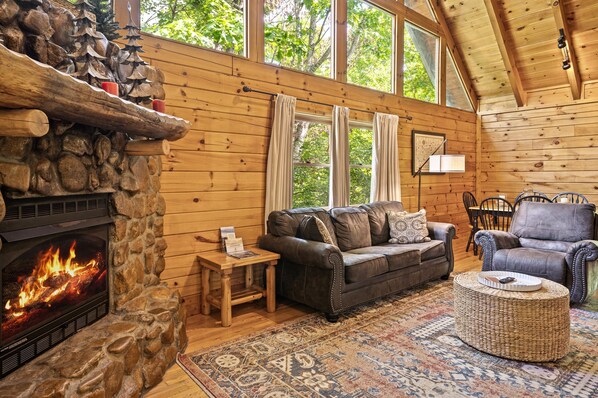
(402, 346)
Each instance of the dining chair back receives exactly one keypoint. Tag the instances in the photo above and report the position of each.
(572, 197)
(531, 198)
(496, 213)
(530, 193)
(469, 200)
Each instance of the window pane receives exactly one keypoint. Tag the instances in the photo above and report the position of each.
(420, 64)
(370, 46)
(421, 6)
(311, 170)
(298, 34)
(360, 158)
(310, 186)
(361, 179)
(216, 24)
(456, 96)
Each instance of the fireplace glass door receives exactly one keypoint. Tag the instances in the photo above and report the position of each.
(50, 279)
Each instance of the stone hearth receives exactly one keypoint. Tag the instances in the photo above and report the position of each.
(130, 349)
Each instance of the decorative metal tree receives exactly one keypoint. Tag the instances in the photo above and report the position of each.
(87, 61)
(139, 88)
(105, 22)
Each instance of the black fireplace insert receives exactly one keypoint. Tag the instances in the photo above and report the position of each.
(53, 273)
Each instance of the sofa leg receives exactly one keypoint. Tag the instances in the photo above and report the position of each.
(332, 318)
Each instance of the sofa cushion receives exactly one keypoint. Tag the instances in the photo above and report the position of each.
(312, 228)
(322, 214)
(281, 223)
(428, 250)
(359, 267)
(398, 256)
(542, 263)
(379, 228)
(352, 227)
(554, 221)
(408, 227)
(556, 245)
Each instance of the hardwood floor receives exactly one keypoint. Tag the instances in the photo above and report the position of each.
(205, 331)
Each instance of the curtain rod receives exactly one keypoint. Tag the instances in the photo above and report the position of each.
(247, 89)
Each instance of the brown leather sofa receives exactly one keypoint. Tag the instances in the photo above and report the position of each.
(362, 266)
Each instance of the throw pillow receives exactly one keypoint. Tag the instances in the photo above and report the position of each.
(408, 227)
(312, 228)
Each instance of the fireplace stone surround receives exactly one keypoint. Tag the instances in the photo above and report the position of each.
(130, 349)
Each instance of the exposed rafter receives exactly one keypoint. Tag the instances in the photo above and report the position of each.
(508, 57)
(452, 47)
(573, 72)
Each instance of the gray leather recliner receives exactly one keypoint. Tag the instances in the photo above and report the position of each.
(556, 241)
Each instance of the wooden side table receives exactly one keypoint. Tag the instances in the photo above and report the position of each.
(224, 265)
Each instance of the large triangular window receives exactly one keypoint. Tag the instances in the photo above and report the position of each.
(421, 6)
(456, 96)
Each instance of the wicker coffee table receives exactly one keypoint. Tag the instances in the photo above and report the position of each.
(526, 326)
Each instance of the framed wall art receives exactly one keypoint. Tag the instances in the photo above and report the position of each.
(423, 145)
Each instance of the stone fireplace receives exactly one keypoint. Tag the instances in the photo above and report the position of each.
(87, 202)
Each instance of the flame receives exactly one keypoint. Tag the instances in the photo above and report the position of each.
(50, 265)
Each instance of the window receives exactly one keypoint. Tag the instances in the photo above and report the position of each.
(216, 24)
(421, 6)
(360, 160)
(420, 64)
(297, 34)
(369, 46)
(456, 96)
(311, 164)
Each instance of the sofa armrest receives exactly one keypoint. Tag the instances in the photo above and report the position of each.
(493, 241)
(582, 259)
(444, 232)
(301, 251)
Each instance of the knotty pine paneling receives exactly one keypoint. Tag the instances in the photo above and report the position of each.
(215, 176)
(551, 148)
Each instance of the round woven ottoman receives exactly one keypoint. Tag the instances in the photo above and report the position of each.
(526, 326)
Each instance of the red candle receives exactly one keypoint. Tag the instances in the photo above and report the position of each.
(110, 88)
(159, 105)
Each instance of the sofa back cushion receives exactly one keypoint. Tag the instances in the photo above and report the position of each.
(379, 227)
(352, 227)
(286, 222)
(565, 222)
(312, 228)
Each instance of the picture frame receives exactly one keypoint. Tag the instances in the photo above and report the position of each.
(423, 145)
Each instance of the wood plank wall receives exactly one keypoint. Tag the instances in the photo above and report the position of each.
(215, 176)
(550, 147)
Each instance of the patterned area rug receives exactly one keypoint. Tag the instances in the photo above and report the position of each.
(402, 346)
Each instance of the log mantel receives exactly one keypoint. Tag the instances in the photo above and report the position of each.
(26, 83)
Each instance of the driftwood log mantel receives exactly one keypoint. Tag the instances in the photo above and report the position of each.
(26, 83)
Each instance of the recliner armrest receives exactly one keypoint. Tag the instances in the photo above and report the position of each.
(582, 259)
(493, 241)
(301, 251)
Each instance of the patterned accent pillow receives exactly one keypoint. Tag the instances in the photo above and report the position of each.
(312, 228)
(408, 227)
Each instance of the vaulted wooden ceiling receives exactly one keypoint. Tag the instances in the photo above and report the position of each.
(529, 30)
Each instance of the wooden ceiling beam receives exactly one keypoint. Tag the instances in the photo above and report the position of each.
(558, 6)
(452, 47)
(506, 51)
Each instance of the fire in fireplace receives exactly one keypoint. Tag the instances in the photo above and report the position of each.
(53, 273)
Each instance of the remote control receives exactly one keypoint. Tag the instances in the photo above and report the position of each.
(506, 279)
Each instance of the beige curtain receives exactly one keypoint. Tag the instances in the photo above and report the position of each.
(279, 169)
(386, 179)
(339, 158)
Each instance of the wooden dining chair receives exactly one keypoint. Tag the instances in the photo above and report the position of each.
(533, 193)
(573, 197)
(496, 213)
(469, 200)
(530, 198)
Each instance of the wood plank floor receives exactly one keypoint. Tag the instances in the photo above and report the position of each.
(205, 331)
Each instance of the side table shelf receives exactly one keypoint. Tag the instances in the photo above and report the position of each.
(224, 264)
